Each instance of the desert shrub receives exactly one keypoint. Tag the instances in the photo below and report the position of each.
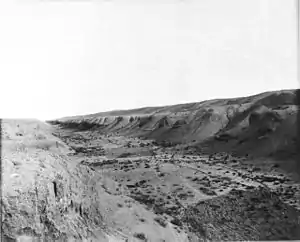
(40, 137)
(256, 169)
(158, 209)
(207, 191)
(16, 163)
(140, 236)
(142, 182)
(161, 221)
(176, 221)
(124, 155)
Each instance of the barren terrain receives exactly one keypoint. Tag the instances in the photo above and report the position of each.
(211, 171)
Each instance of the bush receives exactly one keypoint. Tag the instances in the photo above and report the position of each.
(140, 236)
(161, 221)
(40, 137)
(124, 155)
(176, 221)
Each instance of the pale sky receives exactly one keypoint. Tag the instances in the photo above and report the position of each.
(62, 58)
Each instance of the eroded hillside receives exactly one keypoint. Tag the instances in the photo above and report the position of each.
(259, 125)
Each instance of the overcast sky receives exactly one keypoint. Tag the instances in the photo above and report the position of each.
(61, 58)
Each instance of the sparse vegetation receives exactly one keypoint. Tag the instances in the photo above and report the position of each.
(176, 222)
(140, 236)
(161, 221)
(163, 176)
(40, 137)
(125, 155)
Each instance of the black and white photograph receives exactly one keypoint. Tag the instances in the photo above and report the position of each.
(149, 120)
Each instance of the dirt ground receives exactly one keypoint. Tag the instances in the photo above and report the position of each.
(169, 186)
(63, 183)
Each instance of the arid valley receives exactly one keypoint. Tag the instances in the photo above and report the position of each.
(218, 170)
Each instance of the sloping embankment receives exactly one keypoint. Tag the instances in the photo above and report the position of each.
(44, 198)
(49, 194)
